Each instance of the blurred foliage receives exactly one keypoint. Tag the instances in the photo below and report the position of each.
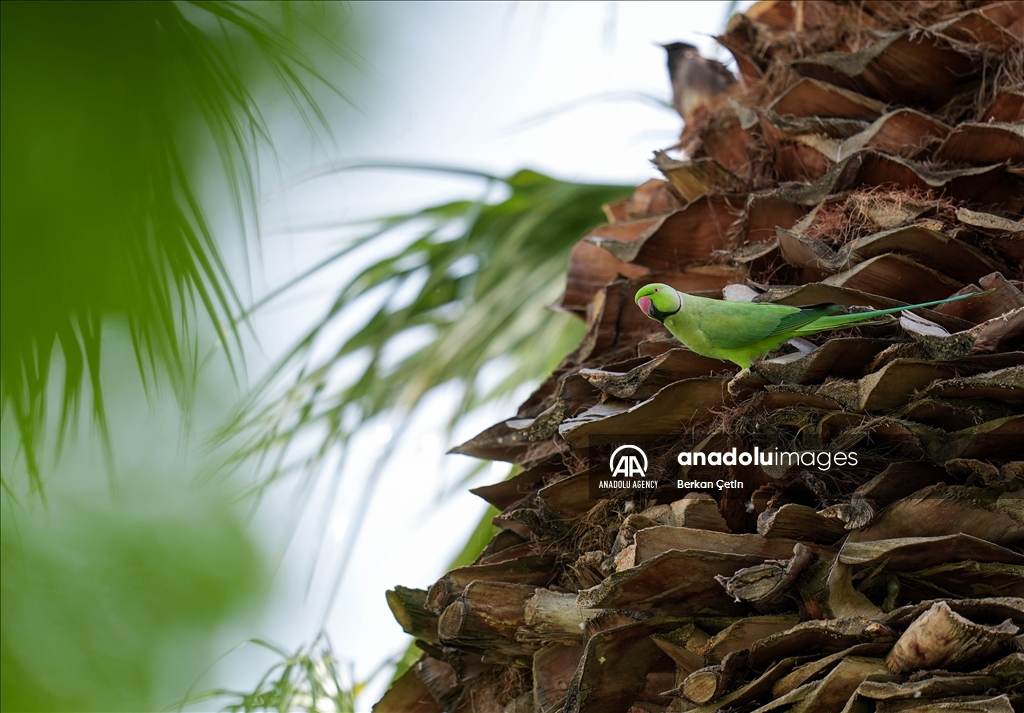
(463, 299)
(114, 606)
(466, 294)
(110, 116)
(118, 123)
(107, 112)
(308, 680)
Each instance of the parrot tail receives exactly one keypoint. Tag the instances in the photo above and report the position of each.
(869, 318)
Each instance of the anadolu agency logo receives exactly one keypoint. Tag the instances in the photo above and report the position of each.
(628, 461)
(628, 468)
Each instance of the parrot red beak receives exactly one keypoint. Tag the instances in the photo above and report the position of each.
(646, 305)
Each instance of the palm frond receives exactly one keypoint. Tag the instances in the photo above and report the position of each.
(310, 679)
(107, 112)
(462, 304)
(474, 282)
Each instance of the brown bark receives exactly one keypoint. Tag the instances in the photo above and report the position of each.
(941, 638)
(869, 159)
(710, 682)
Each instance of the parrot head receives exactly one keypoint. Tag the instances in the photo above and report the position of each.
(659, 301)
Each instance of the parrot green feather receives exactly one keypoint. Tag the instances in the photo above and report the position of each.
(743, 331)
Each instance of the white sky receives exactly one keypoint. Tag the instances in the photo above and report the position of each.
(454, 84)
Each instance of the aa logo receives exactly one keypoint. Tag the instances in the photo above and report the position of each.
(628, 462)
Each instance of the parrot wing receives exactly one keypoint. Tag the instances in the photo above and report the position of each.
(736, 328)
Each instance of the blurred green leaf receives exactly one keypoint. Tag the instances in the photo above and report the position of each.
(107, 112)
(120, 123)
(308, 680)
(113, 606)
(469, 292)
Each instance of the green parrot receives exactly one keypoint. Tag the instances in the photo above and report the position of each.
(743, 331)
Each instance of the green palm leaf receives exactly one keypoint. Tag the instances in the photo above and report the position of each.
(107, 110)
(477, 300)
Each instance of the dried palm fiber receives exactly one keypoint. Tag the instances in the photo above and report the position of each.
(873, 154)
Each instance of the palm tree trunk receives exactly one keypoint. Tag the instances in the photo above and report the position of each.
(870, 156)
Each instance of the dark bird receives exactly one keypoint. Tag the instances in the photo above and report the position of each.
(695, 79)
